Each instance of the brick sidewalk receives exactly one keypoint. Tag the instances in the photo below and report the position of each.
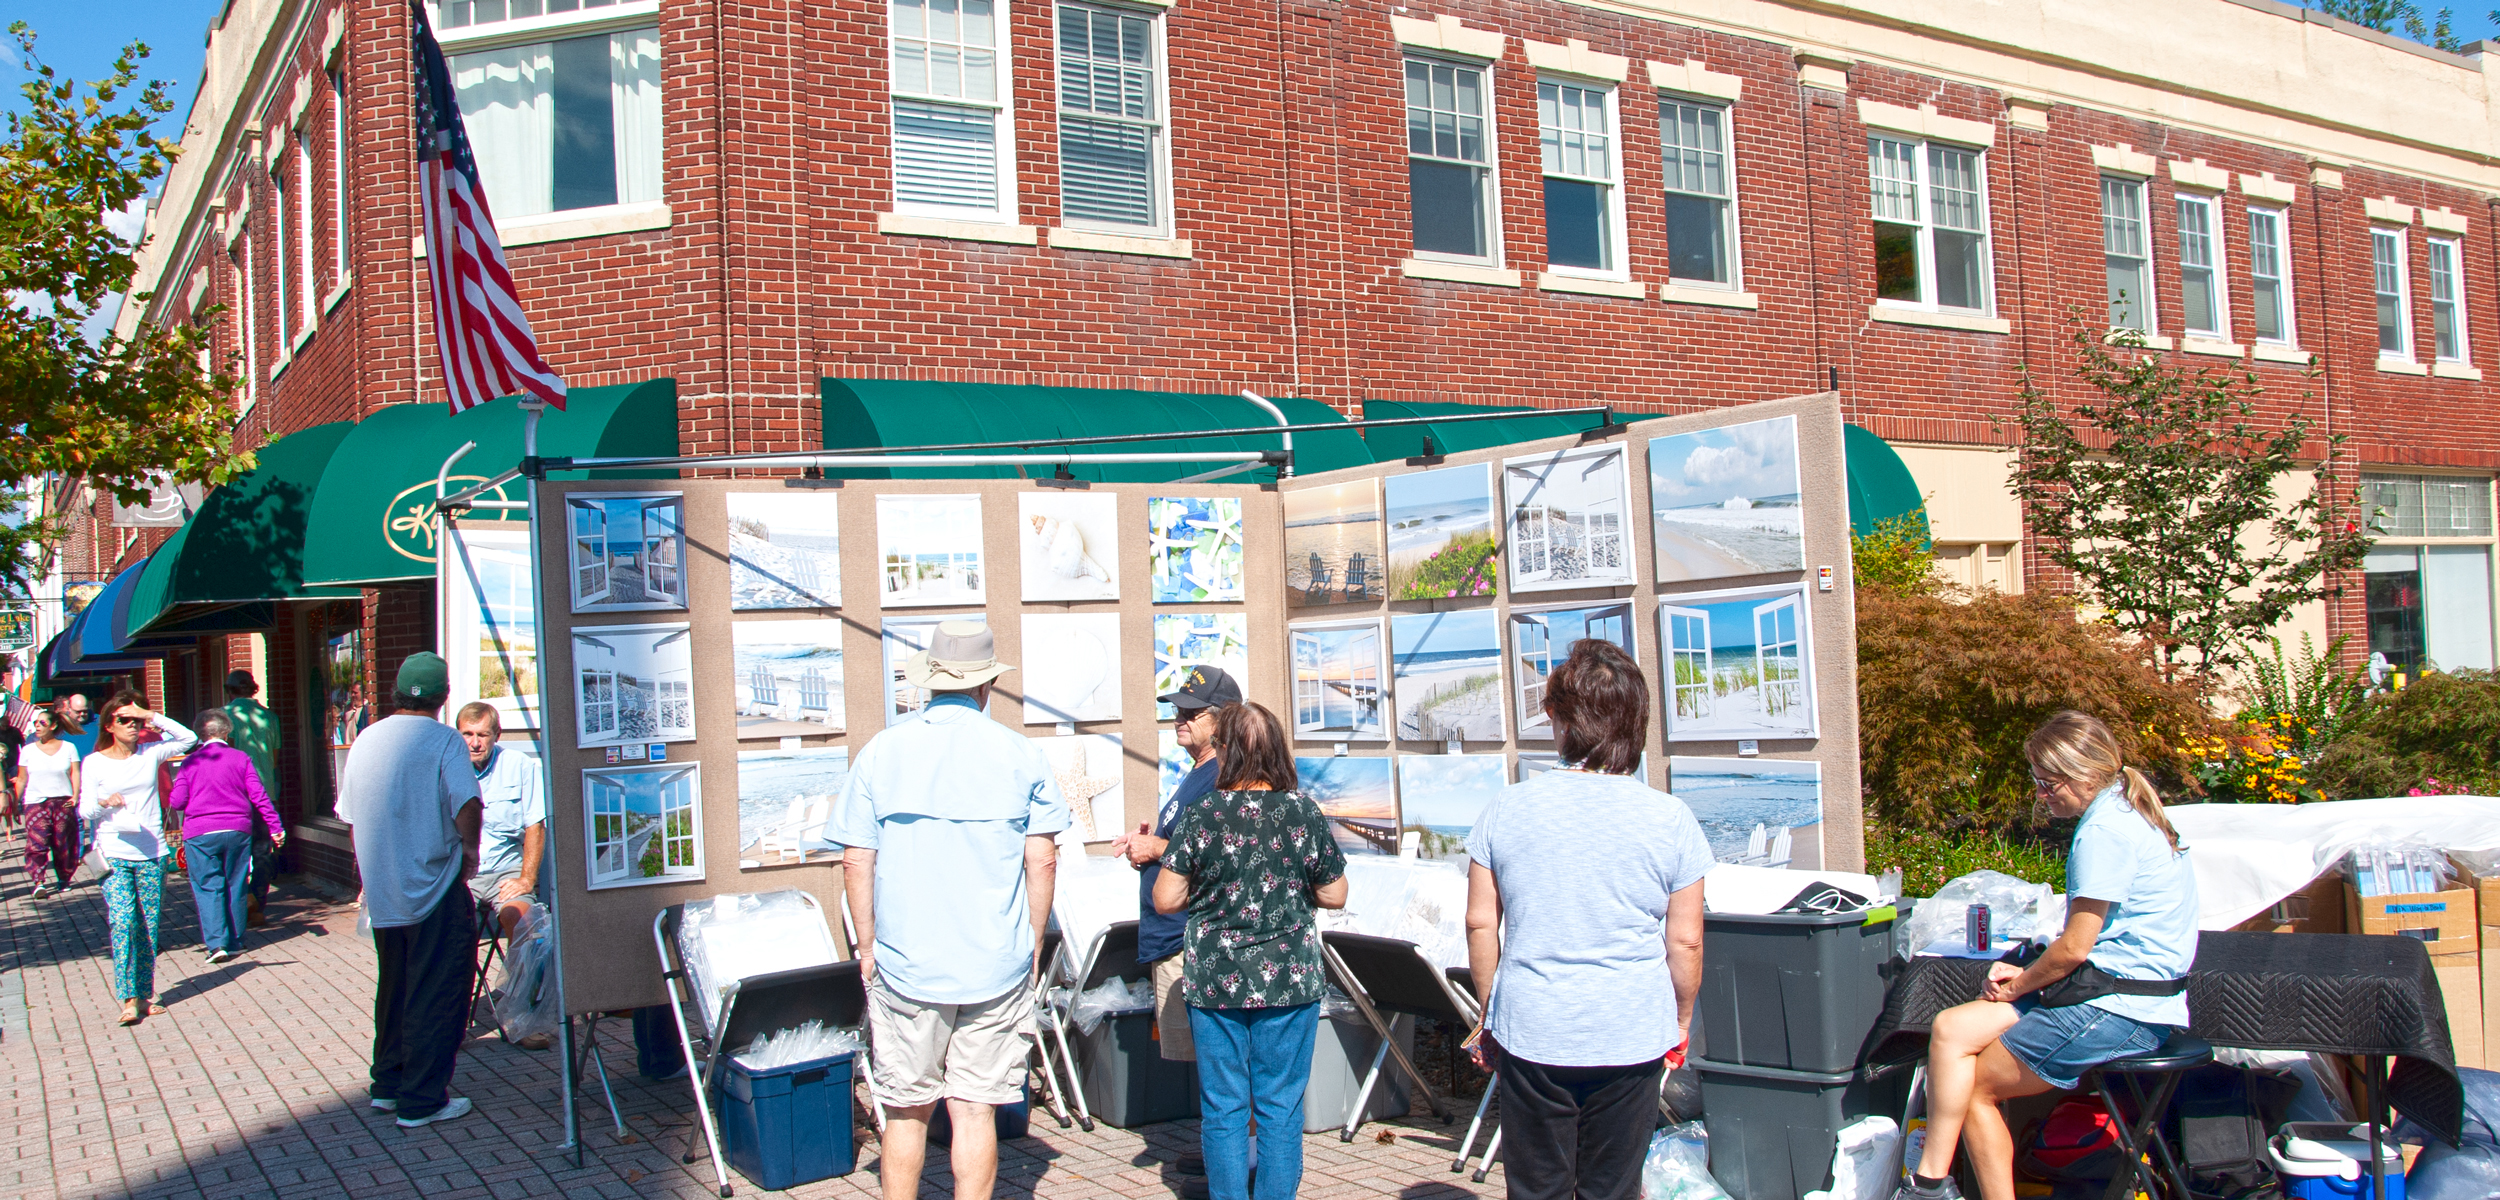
(254, 1085)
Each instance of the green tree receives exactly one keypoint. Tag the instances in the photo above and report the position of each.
(2158, 493)
(124, 412)
(1896, 556)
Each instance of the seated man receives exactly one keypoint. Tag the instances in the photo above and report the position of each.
(512, 838)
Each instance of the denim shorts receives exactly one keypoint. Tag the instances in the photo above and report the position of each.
(2060, 1044)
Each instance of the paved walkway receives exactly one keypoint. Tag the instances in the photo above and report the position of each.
(253, 1085)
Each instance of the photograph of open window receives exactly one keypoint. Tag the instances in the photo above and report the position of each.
(1567, 511)
(1449, 159)
(628, 552)
(2269, 276)
(632, 684)
(2447, 299)
(2387, 283)
(953, 148)
(1339, 688)
(1931, 224)
(1112, 152)
(1583, 210)
(1740, 663)
(562, 123)
(645, 824)
(2128, 253)
(2202, 308)
(1701, 189)
(1541, 640)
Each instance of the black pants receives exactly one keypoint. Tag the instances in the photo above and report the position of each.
(1576, 1133)
(420, 1001)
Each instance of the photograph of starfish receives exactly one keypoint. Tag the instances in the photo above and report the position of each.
(1089, 768)
(1193, 544)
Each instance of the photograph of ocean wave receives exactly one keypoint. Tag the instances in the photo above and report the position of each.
(787, 676)
(785, 551)
(1439, 796)
(1726, 502)
(1448, 675)
(1757, 811)
(1332, 545)
(1533, 765)
(1441, 533)
(1358, 798)
(784, 799)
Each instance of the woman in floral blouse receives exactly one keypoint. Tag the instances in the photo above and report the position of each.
(1250, 865)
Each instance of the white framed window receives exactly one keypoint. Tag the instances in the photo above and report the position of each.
(278, 244)
(1700, 176)
(1114, 155)
(338, 176)
(2447, 266)
(1931, 224)
(465, 14)
(561, 123)
(2428, 582)
(2387, 283)
(954, 140)
(246, 286)
(1449, 161)
(2127, 248)
(1583, 204)
(2204, 308)
(2270, 276)
(307, 251)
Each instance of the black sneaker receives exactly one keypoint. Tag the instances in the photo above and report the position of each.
(1945, 1189)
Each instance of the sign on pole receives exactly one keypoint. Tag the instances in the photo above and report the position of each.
(17, 629)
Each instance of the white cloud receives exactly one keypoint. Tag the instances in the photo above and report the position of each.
(130, 222)
(1718, 466)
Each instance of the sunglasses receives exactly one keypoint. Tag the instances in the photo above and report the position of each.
(130, 720)
(2040, 783)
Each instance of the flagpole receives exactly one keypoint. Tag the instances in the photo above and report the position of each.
(532, 475)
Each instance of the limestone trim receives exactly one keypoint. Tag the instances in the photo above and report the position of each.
(2327, 175)
(2200, 175)
(1823, 69)
(1692, 78)
(1448, 35)
(2402, 366)
(1678, 293)
(2028, 112)
(2268, 188)
(1966, 322)
(1449, 272)
(1064, 238)
(1575, 58)
(1628, 289)
(906, 225)
(2444, 221)
(2277, 353)
(2456, 370)
(1925, 123)
(2387, 210)
(2122, 159)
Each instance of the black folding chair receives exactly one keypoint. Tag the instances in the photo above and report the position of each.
(492, 950)
(2140, 1137)
(1387, 975)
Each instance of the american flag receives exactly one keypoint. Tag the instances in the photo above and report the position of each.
(21, 715)
(484, 340)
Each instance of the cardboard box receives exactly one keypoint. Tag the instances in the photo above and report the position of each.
(2445, 920)
(2491, 989)
(2317, 908)
(2461, 986)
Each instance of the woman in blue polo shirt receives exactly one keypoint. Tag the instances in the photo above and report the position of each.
(2113, 984)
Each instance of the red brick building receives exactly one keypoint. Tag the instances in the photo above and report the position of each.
(1662, 205)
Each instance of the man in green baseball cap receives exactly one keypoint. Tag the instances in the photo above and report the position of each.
(408, 789)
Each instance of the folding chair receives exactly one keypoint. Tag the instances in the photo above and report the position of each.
(490, 937)
(1389, 975)
(1046, 1016)
(1112, 956)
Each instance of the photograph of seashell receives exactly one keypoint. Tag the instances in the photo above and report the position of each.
(1070, 545)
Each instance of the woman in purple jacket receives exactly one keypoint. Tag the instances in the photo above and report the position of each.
(219, 796)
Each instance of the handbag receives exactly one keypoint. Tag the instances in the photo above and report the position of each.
(2089, 982)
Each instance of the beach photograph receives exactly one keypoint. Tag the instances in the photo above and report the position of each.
(1739, 663)
(785, 551)
(1533, 765)
(1332, 545)
(1338, 692)
(1357, 797)
(1439, 796)
(1541, 639)
(1070, 545)
(627, 552)
(929, 551)
(788, 677)
(784, 799)
(632, 684)
(1071, 668)
(491, 623)
(1448, 675)
(1185, 640)
(1089, 770)
(645, 823)
(1760, 812)
(1726, 501)
(1193, 549)
(1567, 512)
(1441, 533)
(898, 639)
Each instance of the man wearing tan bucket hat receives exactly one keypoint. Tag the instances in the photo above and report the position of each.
(948, 860)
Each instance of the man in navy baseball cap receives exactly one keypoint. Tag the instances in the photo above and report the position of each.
(1205, 688)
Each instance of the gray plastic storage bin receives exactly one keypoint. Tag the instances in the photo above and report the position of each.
(1341, 1054)
(1772, 1132)
(1127, 1081)
(1792, 991)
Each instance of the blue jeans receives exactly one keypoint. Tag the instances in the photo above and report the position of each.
(1253, 1059)
(220, 867)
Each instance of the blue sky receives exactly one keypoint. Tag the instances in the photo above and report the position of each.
(79, 39)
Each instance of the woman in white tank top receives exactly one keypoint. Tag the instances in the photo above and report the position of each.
(47, 776)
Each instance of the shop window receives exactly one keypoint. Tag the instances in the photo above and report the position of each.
(953, 139)
(246, 286)
(1931, 224)
(1112, 149)
(1449, 160)
(2387, 283)
(343, 705)
(1701, 186)
(2429, 584)
(1583, 207)
(460, 14)
(2128, 254)
(2269, 276)
(2447, 299)
(565, 123)
(2202, 309)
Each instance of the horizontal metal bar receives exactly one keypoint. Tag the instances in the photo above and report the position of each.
(468, 496)
(835, 460)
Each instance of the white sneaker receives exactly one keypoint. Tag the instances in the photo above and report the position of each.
(219, 956)
(458, 1107)
(383, 1104)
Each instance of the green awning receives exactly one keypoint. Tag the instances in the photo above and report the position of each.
(371, 519)
(867, 414)
(247, 541)
(1880, 484)
(1406, 441)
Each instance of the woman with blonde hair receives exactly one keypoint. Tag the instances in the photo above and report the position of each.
(2114, 984)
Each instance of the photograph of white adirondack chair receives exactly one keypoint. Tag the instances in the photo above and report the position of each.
(1758, 812)
(787, 677)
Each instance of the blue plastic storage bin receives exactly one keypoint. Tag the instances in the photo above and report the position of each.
(2330, 1187)
(1012, 1121)
(784, 1126)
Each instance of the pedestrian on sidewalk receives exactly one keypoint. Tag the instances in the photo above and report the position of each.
(47, 775)
(946, 827)
(219, 796)
(1586, 949)
(409, 791)
(117, 794)
(12, 797)
(256, 735)
(1251, 866)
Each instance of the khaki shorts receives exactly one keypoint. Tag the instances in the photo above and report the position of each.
(972, 1052)
(1172, 1012)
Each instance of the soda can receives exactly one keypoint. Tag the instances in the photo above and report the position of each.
(1976, 928)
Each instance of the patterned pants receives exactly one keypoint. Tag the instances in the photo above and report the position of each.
(52, 839)
(134, 898)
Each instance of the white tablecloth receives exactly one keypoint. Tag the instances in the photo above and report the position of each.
(1418, 901)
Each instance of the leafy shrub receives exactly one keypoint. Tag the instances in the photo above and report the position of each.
(2255, 764)
(1929, 859)
(1949, 688)
(2444, 726)
(1897, 557)
(2309, 702)
(1464, 567)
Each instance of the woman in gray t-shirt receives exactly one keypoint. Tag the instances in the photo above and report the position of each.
(1584, 934)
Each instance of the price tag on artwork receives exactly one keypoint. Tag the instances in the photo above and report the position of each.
(789, 743)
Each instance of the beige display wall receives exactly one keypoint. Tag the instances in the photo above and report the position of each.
(610, 960)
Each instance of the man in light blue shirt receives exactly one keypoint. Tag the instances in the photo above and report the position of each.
(512, 838)
(949, 862)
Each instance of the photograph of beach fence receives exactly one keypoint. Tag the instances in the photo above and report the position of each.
(929, 551)
(1441, 541)
(1740, 665)
(1089, 770)
(785, 551)
(1193, 549)
(645, 823)
(1726, 502)
(1439, 796)
(1185, 640)
(633, 684)
(788, 677)
(627, 552)
(1447, 675)
(1533, 765)
(784, 799)
(1071, 668)
(1332, 545)
(1540, 640)
(1339, 691)
(1567, 513)
(1761, 812)
(1070, 545)
(491, 623)
(1358, 798)
(899, 638)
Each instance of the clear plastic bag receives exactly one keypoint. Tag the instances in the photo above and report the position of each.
(2396, 869)
(807, 1042)
(2018, 910)
(1114, 998)
(742, 935)
(524, 997)
(1337, 1006)
(1678, 1166)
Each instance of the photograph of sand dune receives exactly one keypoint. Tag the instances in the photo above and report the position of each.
(1439, 796)
(1741, 665)
(1448, 675)
(1332, 545)
(785, 551)
(1725, 502)
(1441, 533)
